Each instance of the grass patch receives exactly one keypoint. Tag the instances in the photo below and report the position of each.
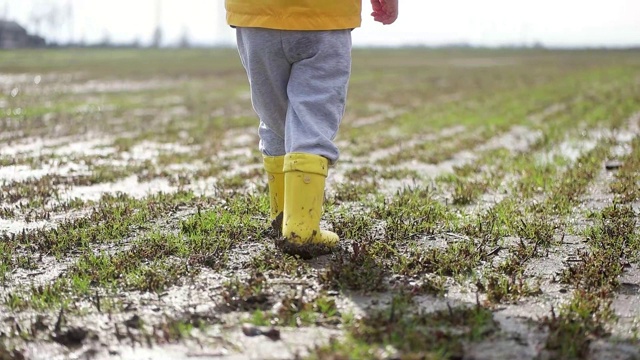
(399, 332)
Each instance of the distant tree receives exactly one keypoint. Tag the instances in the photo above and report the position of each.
(538, 45)
(184, 39)
(157, 34)
(53, 18)
(106, 39)
(70, 22)
(36, 20)
(157, 38)
(50, 16)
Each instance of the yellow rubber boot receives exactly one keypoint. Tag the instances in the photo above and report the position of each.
(304, 177)
(273, 165)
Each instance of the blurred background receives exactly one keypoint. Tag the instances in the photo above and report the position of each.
(201, 23)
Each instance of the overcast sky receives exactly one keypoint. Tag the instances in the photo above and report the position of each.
(555, 23)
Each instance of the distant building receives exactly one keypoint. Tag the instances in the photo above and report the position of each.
(14, 36)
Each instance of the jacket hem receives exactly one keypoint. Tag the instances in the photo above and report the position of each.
(289, 23)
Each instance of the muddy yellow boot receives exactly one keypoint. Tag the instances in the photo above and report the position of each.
(304, 177)
(273, 165)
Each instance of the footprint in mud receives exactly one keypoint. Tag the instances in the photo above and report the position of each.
(629, 289)
(73, 337)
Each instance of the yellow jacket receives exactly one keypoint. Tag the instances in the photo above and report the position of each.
(295, 14)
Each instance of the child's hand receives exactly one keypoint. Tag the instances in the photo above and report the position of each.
(385, 11)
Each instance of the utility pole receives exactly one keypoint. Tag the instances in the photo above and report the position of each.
(157, 34)
(71, 22)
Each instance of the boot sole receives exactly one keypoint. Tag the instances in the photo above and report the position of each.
(304, 251)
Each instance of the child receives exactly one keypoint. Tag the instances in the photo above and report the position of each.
(297, 54)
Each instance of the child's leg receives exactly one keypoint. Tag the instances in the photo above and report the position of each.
(298, 78)
(317, 89)
(321, 65)
(268, 70)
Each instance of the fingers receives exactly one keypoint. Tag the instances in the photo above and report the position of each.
(381, 18)
(384, 18)
(384, 11)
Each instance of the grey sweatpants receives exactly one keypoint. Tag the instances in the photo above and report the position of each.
(299, 85)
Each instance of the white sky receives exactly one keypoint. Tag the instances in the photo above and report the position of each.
(486, 22)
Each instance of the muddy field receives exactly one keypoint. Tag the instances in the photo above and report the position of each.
(487, 203)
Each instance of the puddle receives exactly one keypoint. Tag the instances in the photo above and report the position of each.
(546, 113)
(149, 150)
(517, 139)
(32, 146)
(93, 147)
(204, 187)
(570, 150)
(89, 145)
(380, 117)
(434, 170)
(634, 124)
(246, 137)
(20, 173)
(406, 144)
(101, 86)
(10, 81)
(9, 226)
(235, 153)
(185, 167)
(35, 84)
(626, 136)
(129, 186)
(621, 150)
